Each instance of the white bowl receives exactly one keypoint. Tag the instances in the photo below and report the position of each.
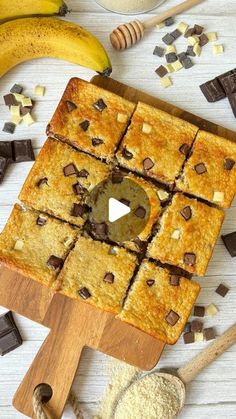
(129, 7)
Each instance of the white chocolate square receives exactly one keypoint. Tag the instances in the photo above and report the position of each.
(18, 97)
(192, 40)
(197, 50)
(16, 119)
(211, 310)
(212, 36)
(121, 117)
(15, 110)
(160, 25)
(169, 68)
(198, 337)
(182, 27)
(26, 101)
(146, 128)
(177, 65)
(166, 82)
(170, 48)
(218, 49)
(19, 244)
(28, 119)
(39, 90)
(176, 234)
(218, 197)
(162, 195)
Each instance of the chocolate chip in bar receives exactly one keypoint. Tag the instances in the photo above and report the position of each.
(147, 164)
(189, 338)
(174, 280)
(23, 151)
(16, 89)
(172, 318)
(209, 333)
(171, 57)
(176, 34)
(196, 326)
(142, 245)
(55, 262)
(186, 212)
(150, 282)
(230, 243)
(228, 163)
(10, 100)
(78, 210)
(41, 220)
(200, 168)
(70, 170)
(222, 290)
(84, 293)
(117, 177)
(198, 29)
(168, 39)
(84, 125)
(190, 259)
(125, 201)
(83, 173)
(3, 167)
(127, 154)
(140, 212)
(213, 90)
(199, 311)
(184, 149)
(161, 71)
(109, 278)
(9, 127)
(79, 189)
(6, 150)
(42, 182)
(100, 105)
(99, 231)
(190, 51)
(97, 141)
(203, 40)
(71, 106)
(158, 51)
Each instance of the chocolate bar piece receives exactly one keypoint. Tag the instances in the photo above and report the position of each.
(213, 90)
(230, 243)
(209, 333)
(199, 311)
(9, 127)
(3, 167)
(189, 338)
(23, 151)
(168, 39)
(222, 290)
(10, 337)
(6, 150)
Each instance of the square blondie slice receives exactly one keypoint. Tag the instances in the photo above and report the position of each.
(60, 180)
(91, 118)
(159, 303)
(156, 144)
(210, 172)
(35, 244)
(98, 274)
(188, 232)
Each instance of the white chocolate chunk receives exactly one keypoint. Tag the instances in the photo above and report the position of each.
(182, 27)
(18, 97)
(218, 197)
(197, 49)
(28, 119)
(193, 40)
(177, 65)
(212, 36)
(169, 68)
(15, 110)
(162, 195)
(166, 82)
(121, 117)
(26, 101)
(160, 25)
(19, 244)
(176, 234)
(39, 90)
(16, 119)
(170, 48)
(198, 337)
(68, 242)
(146, 129)
(112, 251)
(211, 310)
(218, 49)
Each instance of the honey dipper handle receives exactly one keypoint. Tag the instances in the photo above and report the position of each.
(182, 7)
(212, 352)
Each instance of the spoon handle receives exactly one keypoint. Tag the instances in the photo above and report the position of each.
(212, 352)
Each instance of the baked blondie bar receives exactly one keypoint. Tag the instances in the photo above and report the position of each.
(91, 118)
(156, 144)
(210, 172)
(159, 303)
(60, 180)
(187, 235)
(98, 274)
(35, 244)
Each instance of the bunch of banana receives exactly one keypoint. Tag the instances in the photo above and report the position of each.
(19, 8)
(28, 38)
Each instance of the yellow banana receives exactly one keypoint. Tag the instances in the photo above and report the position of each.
(12, 9)
(28, 38)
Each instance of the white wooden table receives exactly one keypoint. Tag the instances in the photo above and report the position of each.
(213, 393)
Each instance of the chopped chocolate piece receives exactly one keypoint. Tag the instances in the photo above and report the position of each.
(127, 154)
(232, 101)
(79, 189)
(172, 318)
(182, 56)
(200, 168)
(189, 259)
(230, 243)
(196, 326)
(97, 141)
(141, 244)
(78, 210)
(55, 262)
(70, 170)
(176, 34)
(213, 90)
(9, 127)
(16, 89)
(169, 22)
(125, 201)
(187, 63)
(198, 29)
(23, 151)
(147, 164)
(187, 327)
(189, 32)
(3, 167)
(10, 100)
(168, 39)
(184, 149)
(171, 57)
(83, 173)
(190, 51)
(209, 333)
(100, 105)
(140, 212)
(158, 51)
(150, 282)
(186, 212)
(228, 163)
(161, 71)
(42, 182)
(6, 150)
(109, 278)
(41, 220)
(189, 338)
(99, 230)
(84, 125)
(117, 177)
(84, 293)
(224, 80)
(6, 323)
(203, 40)
(232, 83)
(10, 341)
(222, 290)
(199, 311)
(24, 110)
(174, 280)
(70, 106)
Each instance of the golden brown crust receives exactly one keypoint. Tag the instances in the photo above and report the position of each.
(104, 125)
(213, 152)
(146, 307)
(161, 145)
(38, 244)
(198, 235)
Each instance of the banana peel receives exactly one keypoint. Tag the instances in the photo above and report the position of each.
(13, 9)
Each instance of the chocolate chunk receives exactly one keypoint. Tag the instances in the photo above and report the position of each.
(161, 71)
(109, 278)
(84, 293)
(70, 170)
(158, 51)
(199, 311)
(189, 338)
(84, 125)
(140, 212)
(141, 244)
(55, 262)
(100, 105)
(169, 22)
(230, 243)
(6, 150)
(16, 89)
(9, 342)
(6, 323)
(70, 105)
(117, 177)
(203, 40)
(148, 164)
(200, 168)
(196, 326)
(176, 34)
(232, 83)
(23, 151)
(150, 282)
(190, 51)
(172, 318)
(3, 167)
(78, 210)
(184, 149)
(198, 29)
(186, 212)
(168, 39)
(125, 201)
(187, 327)
(189, 32)
(83, 173)
(174, 280)
(190, 259)
(99, 230)
(127, 154)
(42, 182)
(9, 127)
(228, 163)
(209, 333)
(24, 110)
(171, 57)
(97, 141)
(182, 57)
(10, 100)
(222, 290)
(187, 63)
(79, 189)
(41, 221)
(213, 90)
(224, 80)
(232, 102)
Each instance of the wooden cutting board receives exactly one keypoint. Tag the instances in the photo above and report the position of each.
(74, 324)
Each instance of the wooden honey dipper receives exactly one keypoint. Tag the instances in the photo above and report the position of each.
(128, 34)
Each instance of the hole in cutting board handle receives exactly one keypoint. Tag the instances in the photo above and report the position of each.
(46, 392)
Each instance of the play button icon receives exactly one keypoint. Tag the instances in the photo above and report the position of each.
(117, 210)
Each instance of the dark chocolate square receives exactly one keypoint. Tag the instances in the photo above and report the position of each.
(16, 89)
(9, 127)
(171, 57)
(176, 34)
(23, 151)
(6, 150)
(10, 100)
(9, 342)
(3, 167)
(230, 243)
(169, 22)
(161, 71)
(168, 39)
(213, 90)
(158, 51)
